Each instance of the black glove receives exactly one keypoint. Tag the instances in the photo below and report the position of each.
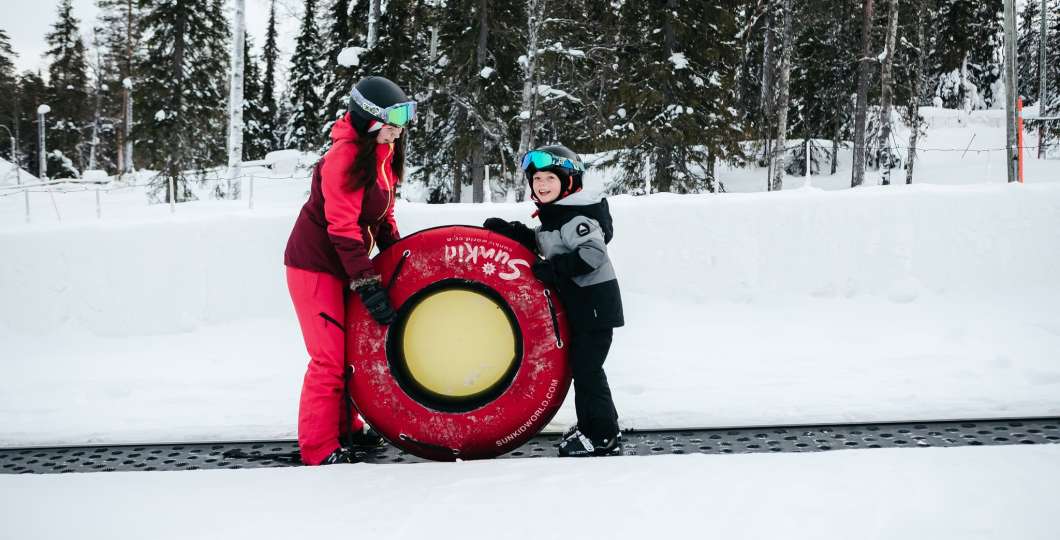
(512, 229)
(546, 272)
(376, 301)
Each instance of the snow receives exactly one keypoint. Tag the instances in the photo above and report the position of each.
(127, 83)
(160, 115)
(486, 72)
(936, 493)
(12, 175)
(679, 60)
(351, 56)
(44, 109)
(816, 305)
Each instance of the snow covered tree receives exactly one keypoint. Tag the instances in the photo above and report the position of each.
(678, 63)
(270, 54)
(347, 30)
(256, 137)
(968, 59)
(67, 94)
(304, 125)
(8, 88)
(886, 152)
(118, 31)
(182, 90)
(32, 92)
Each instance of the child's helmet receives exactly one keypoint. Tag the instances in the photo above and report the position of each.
(556, 159)
(375, 101)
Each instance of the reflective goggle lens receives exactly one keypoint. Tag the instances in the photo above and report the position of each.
(400, 115)
(540, 160)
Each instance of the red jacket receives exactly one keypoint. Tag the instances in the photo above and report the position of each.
(337, 228)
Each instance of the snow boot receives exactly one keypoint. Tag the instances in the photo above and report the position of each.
(366, 437)
(340, 455)
(579, 445)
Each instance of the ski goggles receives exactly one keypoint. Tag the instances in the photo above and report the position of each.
(541, 159)
(398, 114)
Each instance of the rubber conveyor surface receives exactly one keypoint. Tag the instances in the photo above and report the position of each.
(192, 456)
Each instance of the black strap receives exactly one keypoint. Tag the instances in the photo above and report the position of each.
(555, 318)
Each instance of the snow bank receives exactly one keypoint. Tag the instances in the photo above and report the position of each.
(898, 244)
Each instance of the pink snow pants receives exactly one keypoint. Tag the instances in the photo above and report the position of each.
(319, 301)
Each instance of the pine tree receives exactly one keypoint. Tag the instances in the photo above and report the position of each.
(118, 31)
(32, 92)
(304, 125)
(182, 93)
(339, 79)
(271, 121)
(968, 52)
(8, 88)
(256, 137)
(678, 65)
(67, 94)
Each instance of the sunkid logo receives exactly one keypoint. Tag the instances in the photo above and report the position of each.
(492, 259)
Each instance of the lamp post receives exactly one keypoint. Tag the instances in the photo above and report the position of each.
(41, 111)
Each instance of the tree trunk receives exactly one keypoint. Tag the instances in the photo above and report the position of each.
(914, 94)
(235, 101)
(782, 100)
(858, 172)
(528, 105)
(887, 90)
(664, 156)
(765, 99)
(1043, 75)
(458, 179)
(373, 23)
(478, 191)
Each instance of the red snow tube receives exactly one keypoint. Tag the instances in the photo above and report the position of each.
(476, 362)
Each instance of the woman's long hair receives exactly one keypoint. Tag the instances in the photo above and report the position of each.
(365, 170)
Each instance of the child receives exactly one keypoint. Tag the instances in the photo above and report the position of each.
(572, 239)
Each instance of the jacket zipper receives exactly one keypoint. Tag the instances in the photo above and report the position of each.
(389, 198)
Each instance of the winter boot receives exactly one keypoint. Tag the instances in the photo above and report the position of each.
(579, 445)
(340, 455)
(366, 437)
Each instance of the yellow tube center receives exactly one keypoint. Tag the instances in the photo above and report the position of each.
(458, 343)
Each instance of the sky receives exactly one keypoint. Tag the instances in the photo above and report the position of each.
(27, 21)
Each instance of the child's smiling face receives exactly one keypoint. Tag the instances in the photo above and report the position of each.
(547, 186)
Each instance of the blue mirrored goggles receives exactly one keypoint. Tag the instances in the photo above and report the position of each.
(541, 159)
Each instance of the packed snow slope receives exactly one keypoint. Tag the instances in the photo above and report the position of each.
(907, 302)
(930, 301)
(973, 493)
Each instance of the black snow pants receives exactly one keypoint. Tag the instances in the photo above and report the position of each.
(597, 417)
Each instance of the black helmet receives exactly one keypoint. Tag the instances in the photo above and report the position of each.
(556, 159)
(371, 97)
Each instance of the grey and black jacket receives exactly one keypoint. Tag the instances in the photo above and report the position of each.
(573, 236)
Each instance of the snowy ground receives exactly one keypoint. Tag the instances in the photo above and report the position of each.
(805, 306)
(931, 301)
(938, 494)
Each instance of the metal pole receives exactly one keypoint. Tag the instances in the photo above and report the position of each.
(807, 184)
(250, 196)
(172, 196)
(99, 210)
(42, 154)
(127, 167)
(1010, 88)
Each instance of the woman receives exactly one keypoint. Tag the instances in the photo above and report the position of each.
(350, 211)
